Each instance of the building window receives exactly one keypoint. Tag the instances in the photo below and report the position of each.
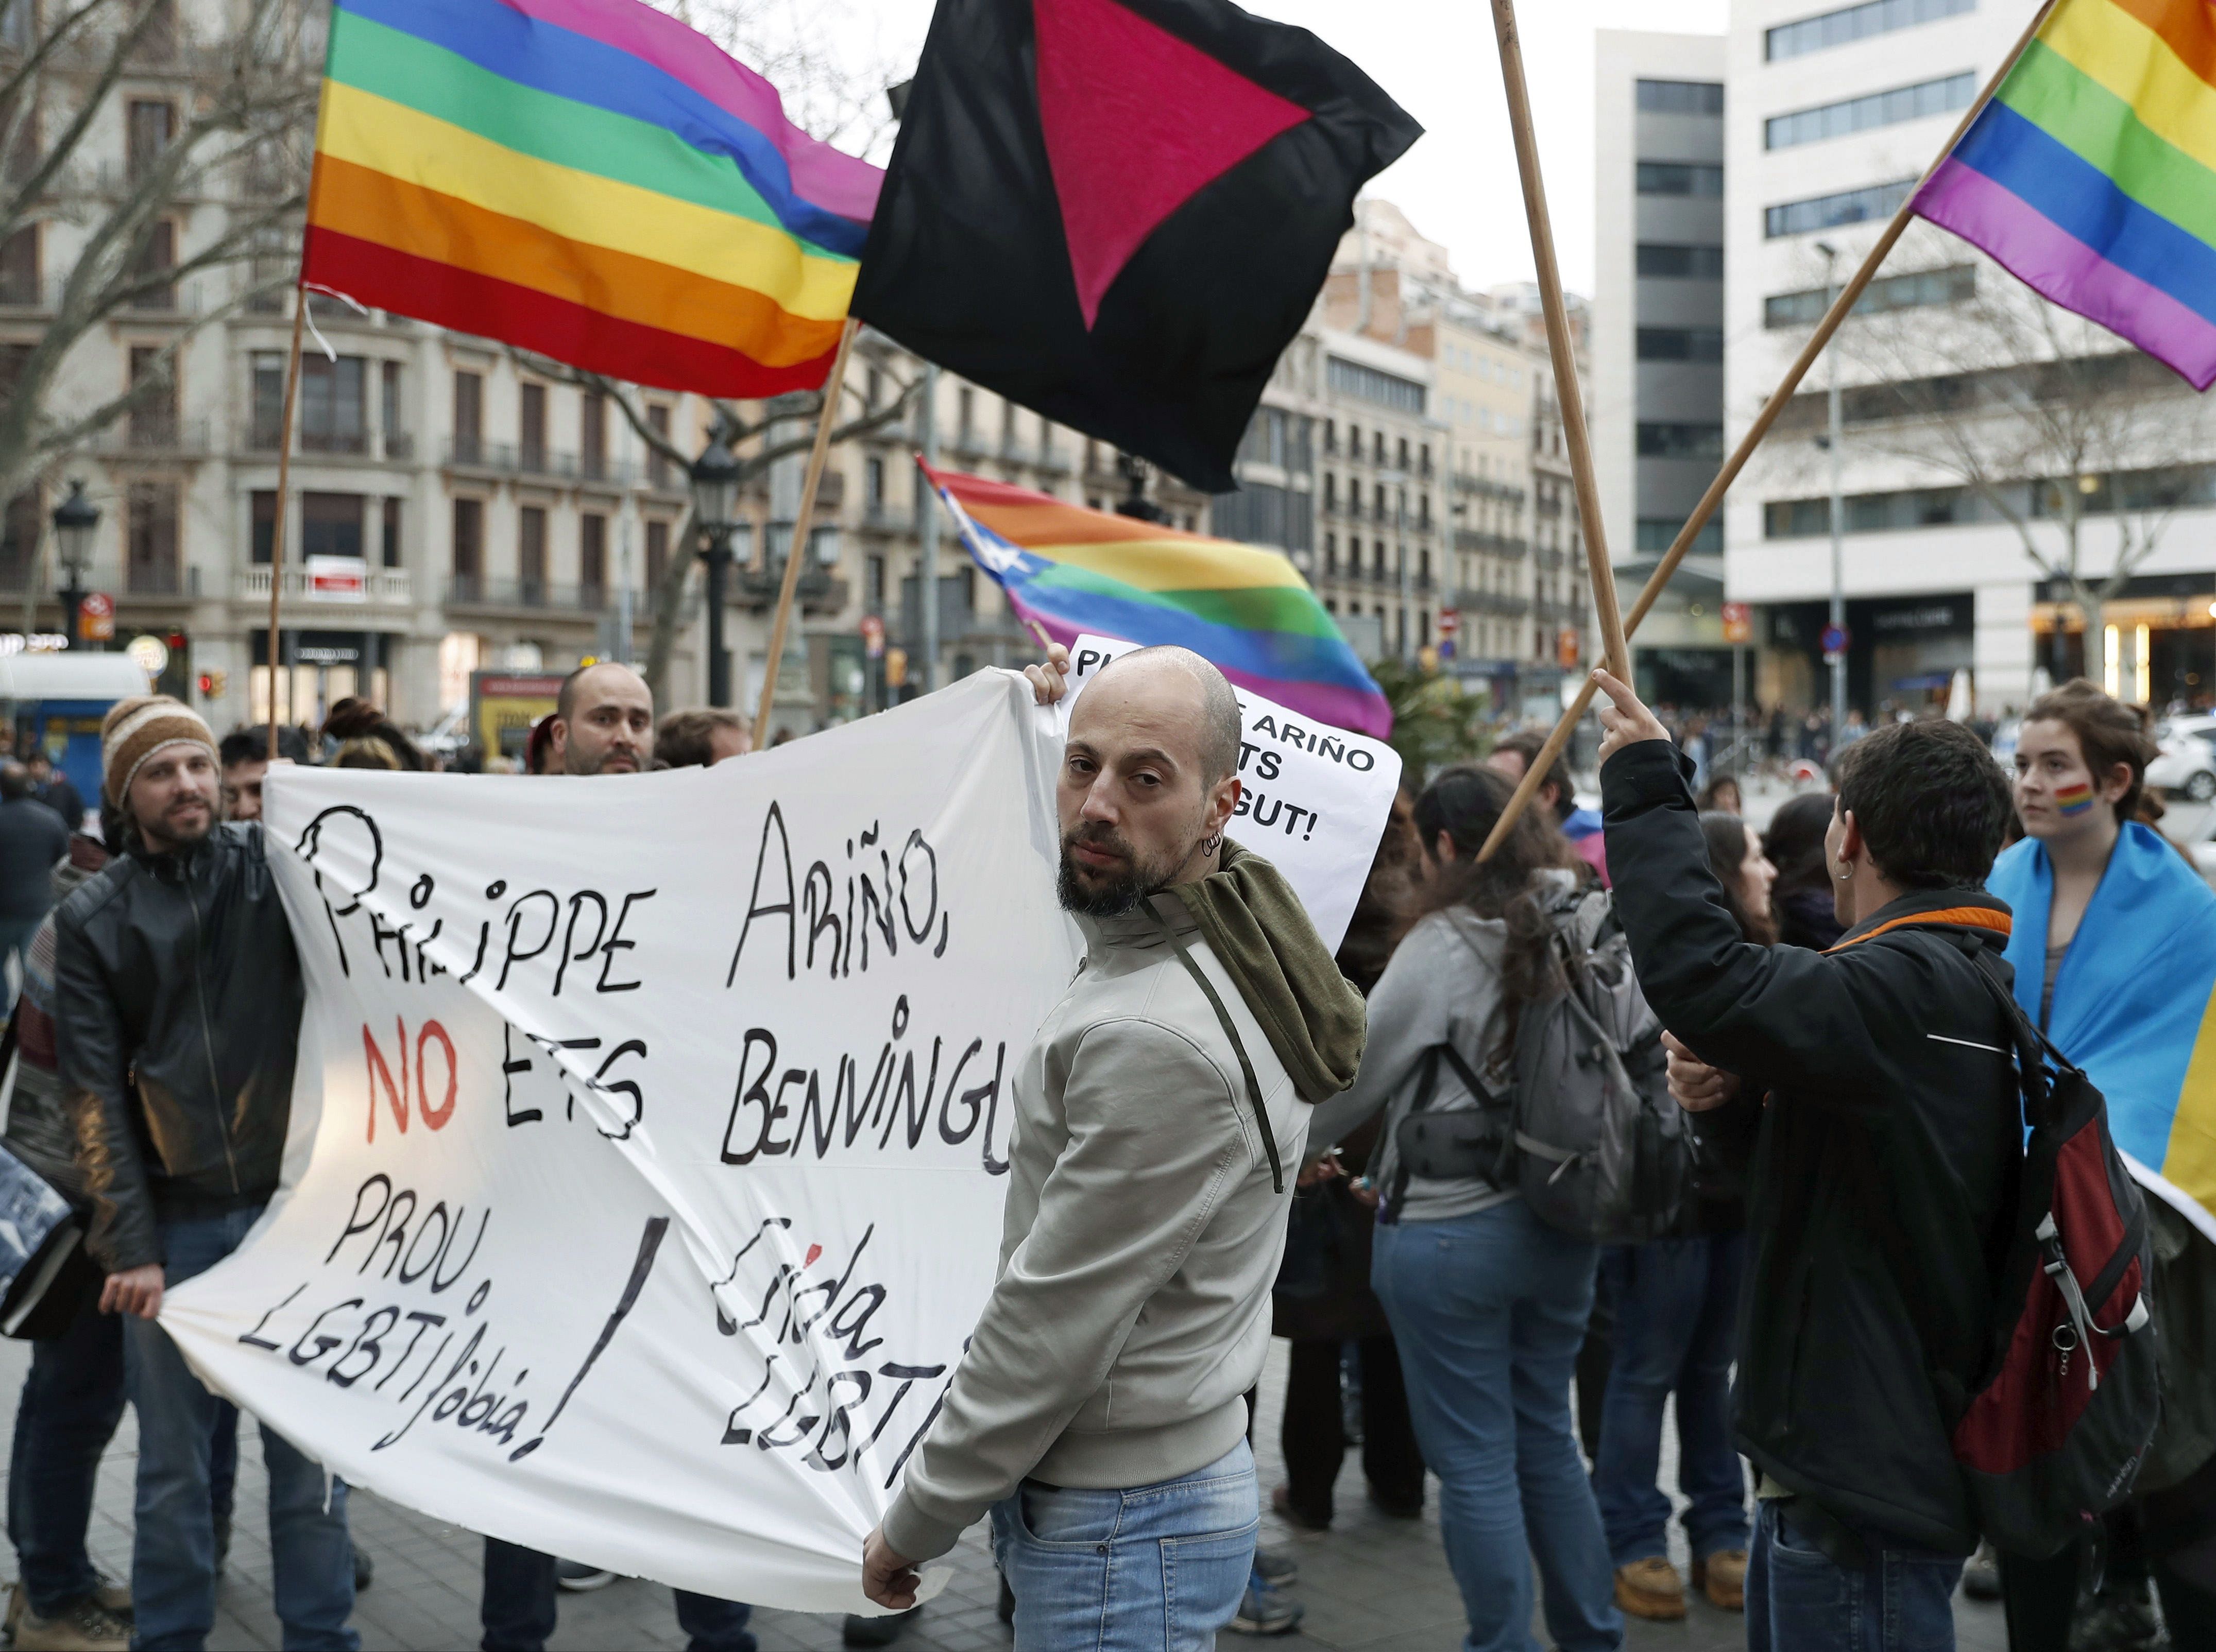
(1874, 109)
(531, 553)
(531, 429)
(1330, 554)
(965, 406)
(873, 486)
(262, 532)
(397, 445)
(593, 436)
(657, 554)
(150, 124)
(1876, 200)
(1851, 23)
(1369, 385)
(468, 419)
(19, 22)
(332, 411)
(1659, 533)
(1680, 441)
(1681, 97)
(593, 556)
(392, 532)
(151, 547)
(156, 259)
(659, 470)
(331, 524)
(1938, 286)
(1681, 178)
(154, 406)
(19, 539)
(1681, 344)
(469, 548)
(1671, 260)
(19, 266)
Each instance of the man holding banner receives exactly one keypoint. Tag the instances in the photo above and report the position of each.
(177, 1004)
(1158, 1108)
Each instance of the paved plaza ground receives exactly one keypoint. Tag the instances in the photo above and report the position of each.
(1374, 1583)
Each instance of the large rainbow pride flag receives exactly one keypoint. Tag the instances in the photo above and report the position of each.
(2092, 173)
(588, 179)
(1072, 571)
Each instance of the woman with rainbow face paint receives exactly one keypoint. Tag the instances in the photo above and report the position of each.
(2114, 948)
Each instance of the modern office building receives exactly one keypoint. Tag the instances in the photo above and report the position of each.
(1657, 408)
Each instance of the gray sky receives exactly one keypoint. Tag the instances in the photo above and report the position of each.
(1458, 184)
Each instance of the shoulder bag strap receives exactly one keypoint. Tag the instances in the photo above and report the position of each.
(1223, 1018)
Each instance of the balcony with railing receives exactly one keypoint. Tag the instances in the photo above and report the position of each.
(533, 596)
(1503, 603)
(389, 585)
(1548, 559)
(153, 433)
(1505, 546)
(163, 577)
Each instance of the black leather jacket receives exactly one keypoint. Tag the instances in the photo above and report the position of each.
(177, 1002)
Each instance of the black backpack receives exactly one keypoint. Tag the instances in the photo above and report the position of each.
(2054, 1435)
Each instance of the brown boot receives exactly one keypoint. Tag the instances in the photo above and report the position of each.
(1651, 1588)
(80, 1626)
(1722, 1577)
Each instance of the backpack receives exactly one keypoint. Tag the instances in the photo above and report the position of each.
(2054, 1435)
(1603, 1153)
(1588, 1132)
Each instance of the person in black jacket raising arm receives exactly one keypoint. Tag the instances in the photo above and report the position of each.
(1870, 1093)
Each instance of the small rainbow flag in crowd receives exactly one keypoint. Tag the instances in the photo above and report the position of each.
(1072, 571)
(2074, 799)
(588, 179)
(2091, 174)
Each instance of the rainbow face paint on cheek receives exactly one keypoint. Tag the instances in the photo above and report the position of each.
(2074, 799)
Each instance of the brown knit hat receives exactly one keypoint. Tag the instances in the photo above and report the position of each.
(135, 729)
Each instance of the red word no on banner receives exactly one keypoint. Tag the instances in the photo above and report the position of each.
(396, 1095)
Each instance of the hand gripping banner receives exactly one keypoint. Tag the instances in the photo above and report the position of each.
(644, 1173)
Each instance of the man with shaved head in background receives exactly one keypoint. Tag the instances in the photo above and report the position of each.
(1160, 1113)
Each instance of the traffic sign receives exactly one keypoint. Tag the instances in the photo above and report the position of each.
(873, 636)
(1739, 622)
(95, 616)
(1449, 621)
(1836, 639)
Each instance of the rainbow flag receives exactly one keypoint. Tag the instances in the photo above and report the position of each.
(588, 179)
(1070, 571)
(2092, 173)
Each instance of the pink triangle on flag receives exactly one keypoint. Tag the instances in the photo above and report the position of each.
(1136, 122)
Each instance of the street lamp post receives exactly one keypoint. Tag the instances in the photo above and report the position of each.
(715, 478)
(76, 519)
(1835, 440)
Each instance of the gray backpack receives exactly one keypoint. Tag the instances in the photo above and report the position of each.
(1603, 1153)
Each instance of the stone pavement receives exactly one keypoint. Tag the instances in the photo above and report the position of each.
(1372, 1582)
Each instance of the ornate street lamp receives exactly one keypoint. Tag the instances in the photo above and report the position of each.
(76, 519)
(715, 477)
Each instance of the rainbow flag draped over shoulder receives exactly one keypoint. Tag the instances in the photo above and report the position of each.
(2134, 1002)
(588, 179)
(2092, 173)
(1072, 571)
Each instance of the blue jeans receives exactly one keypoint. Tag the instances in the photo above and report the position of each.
(1675, 1302)
(1156, 1569)
(173, 1560)
(1489, 1311)
(1799, 1600)
(72, 1402)
(518, 1608)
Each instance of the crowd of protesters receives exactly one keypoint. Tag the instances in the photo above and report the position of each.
(1225, 1132)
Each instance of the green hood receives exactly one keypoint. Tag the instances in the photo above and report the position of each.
(1261, 933)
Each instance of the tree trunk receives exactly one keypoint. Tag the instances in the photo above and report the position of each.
(669, 605)
(2096, 635)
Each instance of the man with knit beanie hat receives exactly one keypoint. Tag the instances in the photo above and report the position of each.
(177, 999)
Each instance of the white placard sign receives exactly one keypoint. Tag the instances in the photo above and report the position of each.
(1315, 798)
(648, 1144)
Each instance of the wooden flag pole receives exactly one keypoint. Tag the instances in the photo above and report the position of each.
(802, 524)
(284, 486)
(1568, 396)
(1842, 304)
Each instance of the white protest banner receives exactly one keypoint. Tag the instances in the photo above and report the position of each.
(644, 1178)
(1315, 798)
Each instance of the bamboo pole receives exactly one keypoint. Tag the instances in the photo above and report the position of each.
(284, 487)
(1568, 397)
(1841, 305)
(802, 524)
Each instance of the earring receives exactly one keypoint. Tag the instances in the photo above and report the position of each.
(1844, 873)
(1209, 845)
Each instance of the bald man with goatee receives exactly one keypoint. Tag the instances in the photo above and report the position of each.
(1160, 1113)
